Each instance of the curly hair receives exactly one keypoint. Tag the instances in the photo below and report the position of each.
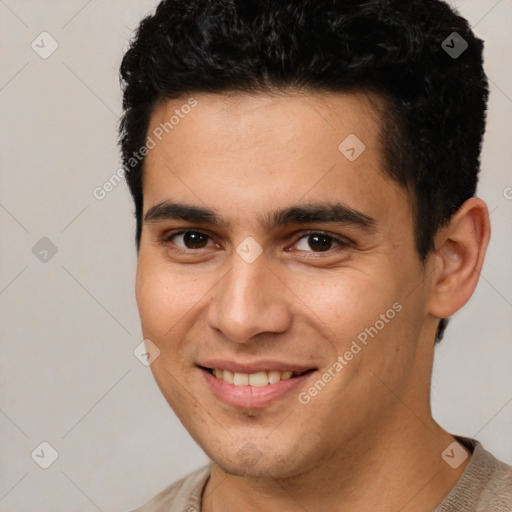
(435, 102)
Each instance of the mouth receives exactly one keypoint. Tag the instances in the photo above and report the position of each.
(255, 390)
(257, 379)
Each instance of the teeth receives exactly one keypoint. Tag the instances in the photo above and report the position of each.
(274, 376)
(258, 379)
(241, 379)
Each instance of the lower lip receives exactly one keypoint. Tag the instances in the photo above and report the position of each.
(252, 397)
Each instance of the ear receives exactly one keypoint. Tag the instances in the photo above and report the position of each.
(459, 256)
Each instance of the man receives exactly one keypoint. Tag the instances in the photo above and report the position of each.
(304, 178)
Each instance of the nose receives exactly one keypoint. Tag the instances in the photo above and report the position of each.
(248, 301)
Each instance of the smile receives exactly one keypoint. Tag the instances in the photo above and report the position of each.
(258, 379)
(256, 389)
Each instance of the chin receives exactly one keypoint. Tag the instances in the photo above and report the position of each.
(253, 461)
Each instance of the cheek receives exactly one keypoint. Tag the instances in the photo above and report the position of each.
(167, 300)
(347, 302)
(164, 296)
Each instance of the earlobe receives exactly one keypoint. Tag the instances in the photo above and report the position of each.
(459, 256)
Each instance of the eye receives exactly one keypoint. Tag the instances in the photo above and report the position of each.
(320, 242)
(314, 241)
(190, 240)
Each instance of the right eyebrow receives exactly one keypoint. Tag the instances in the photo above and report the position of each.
(168, 210)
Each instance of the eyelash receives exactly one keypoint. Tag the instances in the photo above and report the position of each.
(343, 243)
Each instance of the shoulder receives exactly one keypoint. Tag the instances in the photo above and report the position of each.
(485, 485)
(181, 496)
(497, 494)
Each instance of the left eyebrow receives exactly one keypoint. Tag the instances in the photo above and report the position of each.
(311, 213)
(315, 213)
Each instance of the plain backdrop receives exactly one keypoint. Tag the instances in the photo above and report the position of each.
(69, 323)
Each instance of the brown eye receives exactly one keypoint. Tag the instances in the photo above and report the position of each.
(190, 239)
(319, 242)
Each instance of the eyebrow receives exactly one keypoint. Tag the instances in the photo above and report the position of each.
(309, 213)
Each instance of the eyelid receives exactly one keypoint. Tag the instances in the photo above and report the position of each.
(342, 242)
(166, 238)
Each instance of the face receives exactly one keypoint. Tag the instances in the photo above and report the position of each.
(270, 247)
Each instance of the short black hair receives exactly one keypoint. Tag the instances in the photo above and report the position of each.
(404, 52)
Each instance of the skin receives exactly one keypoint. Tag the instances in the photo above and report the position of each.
(367, 441)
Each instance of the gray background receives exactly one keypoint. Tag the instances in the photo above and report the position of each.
(69, 325)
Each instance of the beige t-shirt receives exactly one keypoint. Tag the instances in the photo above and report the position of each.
(485, 486)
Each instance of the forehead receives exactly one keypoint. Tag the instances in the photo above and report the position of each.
(246, 151)
(223, 121)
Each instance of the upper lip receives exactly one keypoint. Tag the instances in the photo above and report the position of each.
(260, 365)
